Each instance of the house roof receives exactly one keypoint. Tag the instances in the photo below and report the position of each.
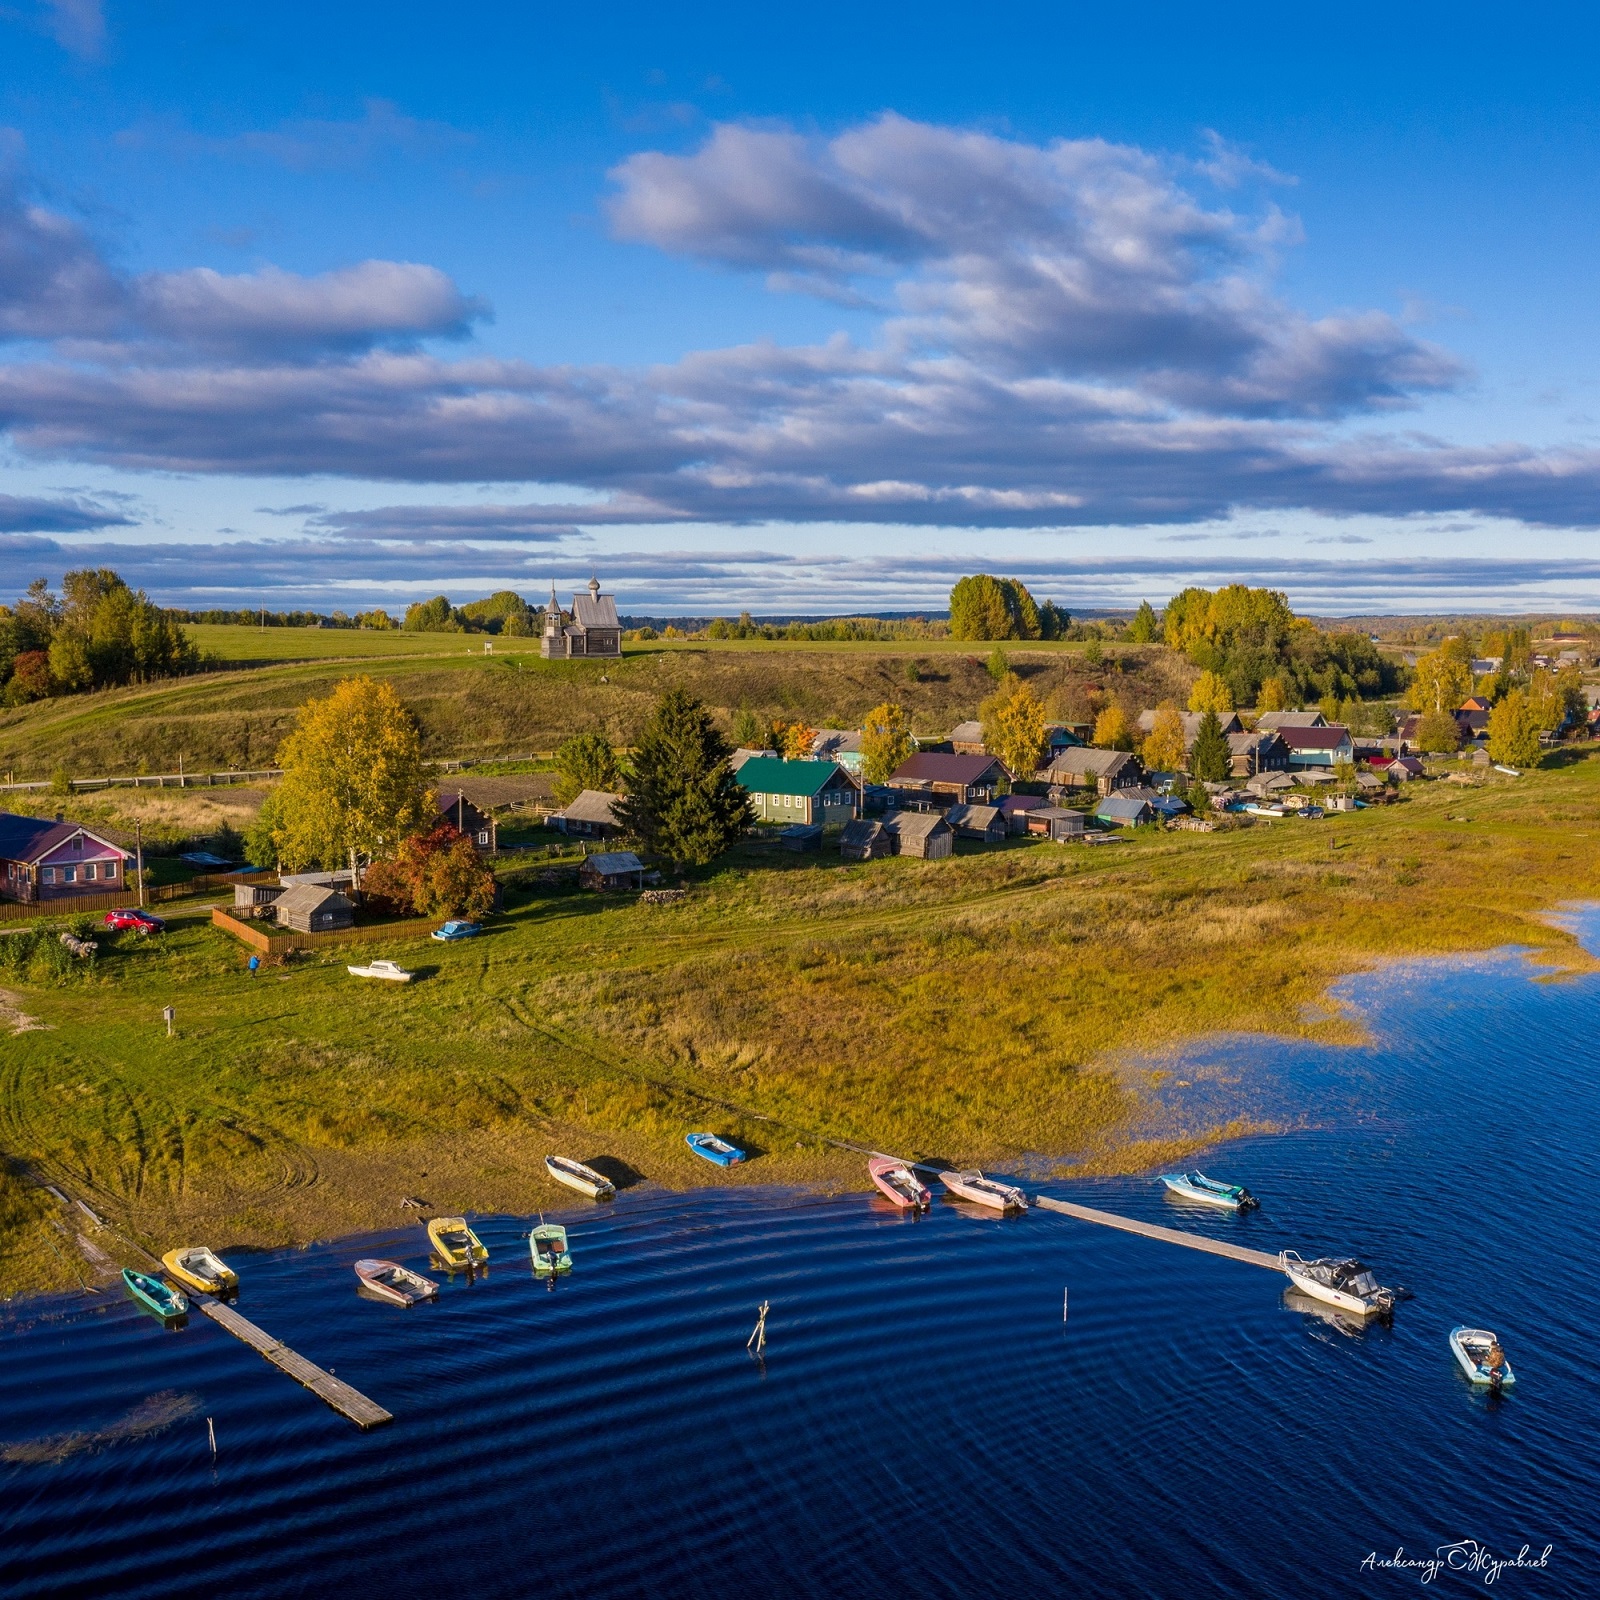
(1276, 721)
(861, 831)
(31, 838)
(1191, 723)
(984, 817)
(934, 766)
(832, 742)
(1021, 802)
(1118, 807)
(915, 824)
(1086, 761)
(742, 755)
(449, 799)
(773, 775)
(1052, 814)
(307, 897)
(593, 805)
(1243, 743)
(966, 733)
(595, 610)
(611, 862)
(1326, 738)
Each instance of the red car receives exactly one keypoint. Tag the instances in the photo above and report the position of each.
(131, 917)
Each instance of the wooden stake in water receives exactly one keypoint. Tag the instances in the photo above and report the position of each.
(757, 1342)
(211, 1429)
(1063, 1305)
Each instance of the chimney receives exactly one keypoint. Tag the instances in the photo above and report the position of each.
(61, 816)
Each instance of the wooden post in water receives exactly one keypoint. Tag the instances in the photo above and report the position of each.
(211, 1430)
(756, 1344)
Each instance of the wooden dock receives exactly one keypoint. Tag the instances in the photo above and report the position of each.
(1190, 1241)
(336, 1392)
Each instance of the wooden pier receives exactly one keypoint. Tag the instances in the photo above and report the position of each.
(1191, 1241)
(336, 1392)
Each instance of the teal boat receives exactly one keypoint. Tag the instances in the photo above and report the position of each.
(154, 1295)
(548, 1246)
(1197, 1186)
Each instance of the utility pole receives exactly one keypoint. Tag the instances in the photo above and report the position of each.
(138, 845)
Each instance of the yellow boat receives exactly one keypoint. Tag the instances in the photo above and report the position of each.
(196, 1267)
(455, 1243)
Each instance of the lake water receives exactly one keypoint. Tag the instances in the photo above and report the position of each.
(924, 1423)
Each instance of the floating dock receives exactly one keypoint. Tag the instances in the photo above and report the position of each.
(334, 1391)
(1190, 1241)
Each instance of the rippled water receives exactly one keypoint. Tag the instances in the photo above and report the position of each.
(924, 1423)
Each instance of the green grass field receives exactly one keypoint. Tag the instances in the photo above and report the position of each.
(981, 1009)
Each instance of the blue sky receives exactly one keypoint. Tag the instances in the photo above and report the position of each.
(806, 311)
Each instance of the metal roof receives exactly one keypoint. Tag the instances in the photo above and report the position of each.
(29, 838)
(593, 805)
(610, 862)
(934, 766)
(773, 775)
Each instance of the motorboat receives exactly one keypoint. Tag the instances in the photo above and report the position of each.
(897, 1182)
(1197, 1186)
(154, 1295)
(1481, 1357)
(455, 1244)
(717, 1151)
(547, 1244)
(390, 1281)
(196, 1267)
(577, 1176)
(389, 971)
(972, 1185)
(1347, 1284)
(1340, 1321)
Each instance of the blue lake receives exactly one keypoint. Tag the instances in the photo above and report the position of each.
(925, 1423)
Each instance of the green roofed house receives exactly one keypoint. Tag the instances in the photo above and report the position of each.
(809, 792)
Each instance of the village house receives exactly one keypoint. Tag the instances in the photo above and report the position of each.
(43, 860)
(966, 739)
(799, 791)
(1015, 808)
(1124, 811)
(1276, 721)
(977, 822)
(616, 869)
(590, 816)
(312, 908)
(865, 839)
(1191, 725)
(594, 628)
(465, 817)
(1328, 746)
(920, 833)
(840, 745)
(1055, 823)
(1086, 767)
(1250, 753)
(948, 779)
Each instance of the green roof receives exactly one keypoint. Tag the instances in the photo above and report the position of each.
(768, 775)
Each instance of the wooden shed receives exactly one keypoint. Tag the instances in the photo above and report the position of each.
(311, 908)
(865, 840)
(799, 837)
(977, 822)
(614, 869)
(591, 816)
(256, 899)
(920, 833)
(1055, 823)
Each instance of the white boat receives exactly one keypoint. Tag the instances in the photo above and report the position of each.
(577, 1176)
(1481, 1357)
(1347, 1284)
(381, 969)
(972, 1185)
(394, 1283)
(1197, 1186)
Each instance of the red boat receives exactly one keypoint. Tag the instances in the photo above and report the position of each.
(898, 1183)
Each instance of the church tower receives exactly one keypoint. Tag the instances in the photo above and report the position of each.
(553, 646)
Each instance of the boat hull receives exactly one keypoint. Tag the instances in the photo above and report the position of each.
(1477, 1374)
(1184, 1190)
(896, 1182)
(584, 1179)
(155, 1296)
(455, 1243)
(548, 1247)
(719, 1153)
(212, 1276)
(1306, 1283)
(983, 1191)
(388, 1280)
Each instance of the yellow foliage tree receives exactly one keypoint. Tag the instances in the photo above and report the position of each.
(885, 742)
(354, 784)
(1013, 726)
(1164, 749)
(1443, 678)
(797, 742)
(1211, 693)
(1111, 730)
(1272, 695)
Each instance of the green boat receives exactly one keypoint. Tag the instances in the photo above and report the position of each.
(548, 1245)
(154, 1295)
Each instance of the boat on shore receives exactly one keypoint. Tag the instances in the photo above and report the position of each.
(1347, 1283)
(972, 1185)
(1197, 1186)
(455, 1244)
(196, 1267)
(717, 1151)
(388, 971)
(577, 1176)
(399, 1285)
(1481, 1357)
(897, 1182)
(547, 1244)
(154, 1295)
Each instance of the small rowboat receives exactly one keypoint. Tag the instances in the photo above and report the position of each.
(717, 1151)
(154, 1295)
(1197, 1186)
(1481, 1357)
(899, 1183)
(389, 971)
(199, 1268)
(548, 1246)
(973, 1186)
(1349, 1285)
(455, 1244)
(390, 1281)
(577, 1176)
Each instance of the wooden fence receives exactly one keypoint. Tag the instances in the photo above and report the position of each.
(155, 894)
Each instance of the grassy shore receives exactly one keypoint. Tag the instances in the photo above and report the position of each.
(977, 1009)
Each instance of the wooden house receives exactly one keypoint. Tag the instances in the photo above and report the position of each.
(977, 822)
(920, 833)
(1015, 808)
(842, 745)
(966, 739)
(1328, 746)
(948, 780)
(1104, 771)
(311, 908)
(865, 840)
(809, 792)
(465, 817)
(1275, 721)
(1250, 753)
(1124, 811)
(590, 816)
(43, 860)
(614, 869)
(594, 628)
(1055, 823)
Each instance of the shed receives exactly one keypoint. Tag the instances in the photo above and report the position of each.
(1056, 823)
(920, 833)
(966, 739)
(311, 908)
(252, 896)
(592, 815)
(801, 836)
(1015, 808)
(1124, 811)
(977, 822)
(614, 869)
(865, 840)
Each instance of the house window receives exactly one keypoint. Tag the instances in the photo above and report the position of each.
(88, 871)
(48, 874)
(70, 874)
(109, 870)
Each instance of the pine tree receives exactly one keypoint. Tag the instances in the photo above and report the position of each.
(684, 802)
(1144, 629)
(1210, 760)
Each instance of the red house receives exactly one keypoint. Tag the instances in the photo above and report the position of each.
(41, 860)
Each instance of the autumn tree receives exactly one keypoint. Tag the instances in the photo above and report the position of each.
(798, 739)
(1514, 731)
(1557, 698)
(1164, 745)
(436, 874)
(1111, 729)
(983, 607)
(1443, 678)
(1272, 695)
(1210, 693)
(1013, 727)
(354, 783)
(1210, 760)
(585, 761)
(683, 801)
(885, 742)
(1438, 733)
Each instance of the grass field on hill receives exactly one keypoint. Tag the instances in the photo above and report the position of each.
(975, 1009)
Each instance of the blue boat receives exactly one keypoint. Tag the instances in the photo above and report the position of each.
(717, 1151)
(1197, 1186)
(154, 1295)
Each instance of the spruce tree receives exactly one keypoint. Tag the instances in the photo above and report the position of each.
(1210, 760)
(683, 800)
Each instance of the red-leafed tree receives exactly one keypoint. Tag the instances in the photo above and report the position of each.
(437, 874)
